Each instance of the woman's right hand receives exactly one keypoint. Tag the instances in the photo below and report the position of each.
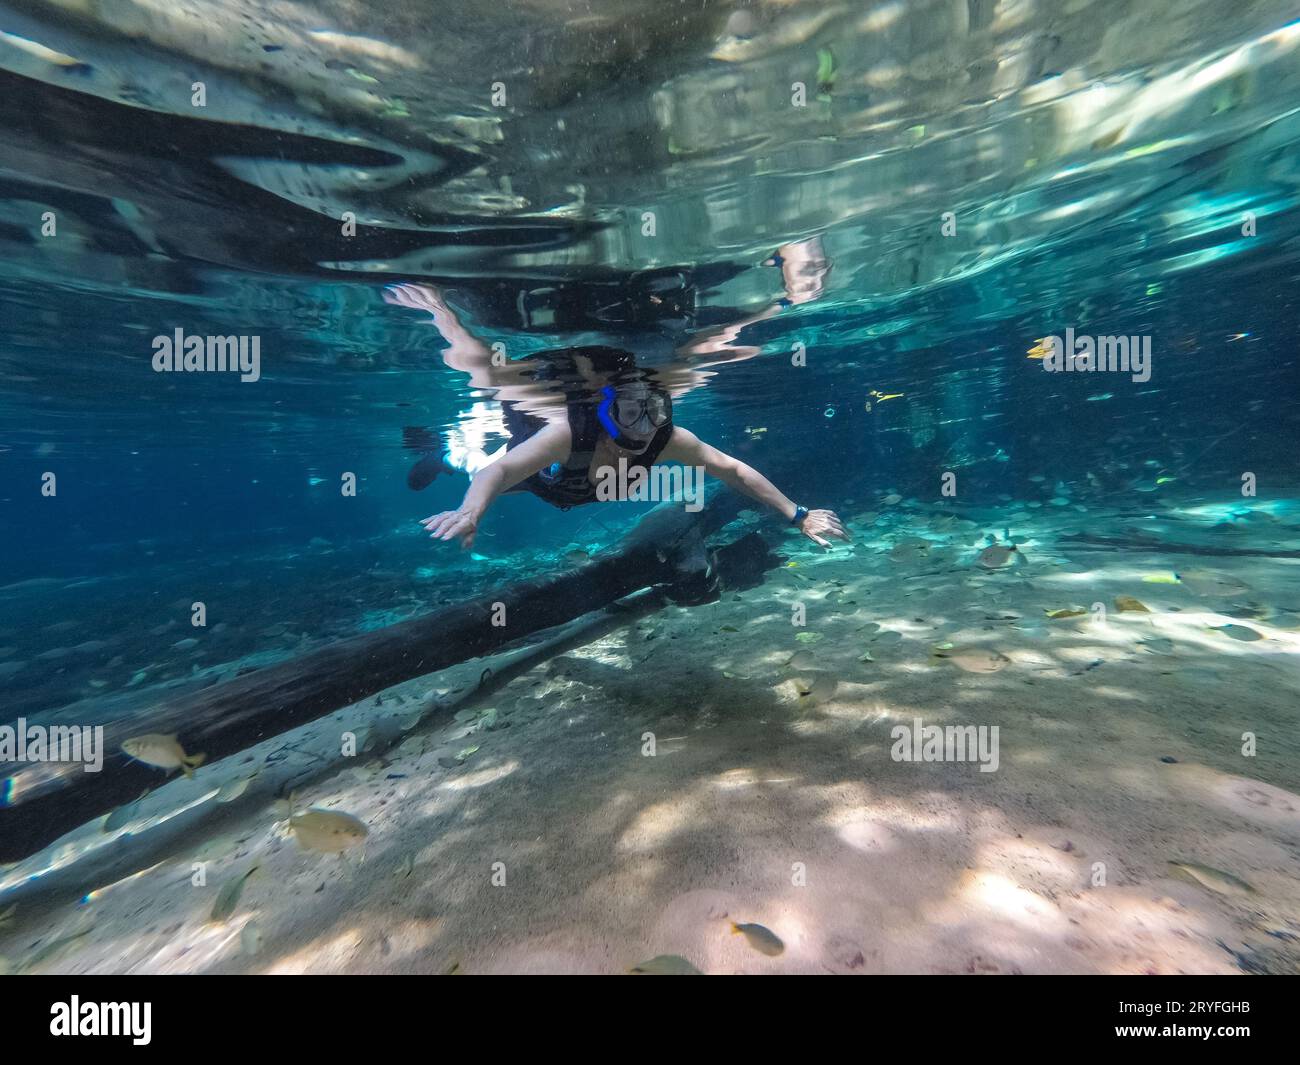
(416, 296)
(804, 267)
(461, 524)
(820, 524)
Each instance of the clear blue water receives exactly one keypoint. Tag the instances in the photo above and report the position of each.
(1100, 167)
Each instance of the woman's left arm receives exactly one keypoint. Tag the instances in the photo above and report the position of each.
(687, 448)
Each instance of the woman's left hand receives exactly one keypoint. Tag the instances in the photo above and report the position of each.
(822, 523)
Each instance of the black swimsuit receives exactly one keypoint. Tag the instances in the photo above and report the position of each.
(570, 485)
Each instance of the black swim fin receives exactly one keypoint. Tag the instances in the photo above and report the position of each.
(426, 471)
(429, 443)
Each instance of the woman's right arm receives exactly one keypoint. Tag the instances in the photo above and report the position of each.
(548, 445)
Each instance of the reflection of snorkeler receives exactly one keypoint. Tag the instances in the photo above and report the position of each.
(572, 411)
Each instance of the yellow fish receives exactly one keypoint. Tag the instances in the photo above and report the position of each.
(1040, 349)
(1066, 612)
(162, 752)
(1162, 578)
(880, 397)
(761, 939)
(327, 831)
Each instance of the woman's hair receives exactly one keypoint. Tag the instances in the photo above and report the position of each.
(560, 365)
(603, 359)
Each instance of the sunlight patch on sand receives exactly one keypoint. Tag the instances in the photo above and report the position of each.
(481, 778)
(331, 953)
(655, 824)
(998, 894)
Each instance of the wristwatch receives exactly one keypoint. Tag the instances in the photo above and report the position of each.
(799, 514)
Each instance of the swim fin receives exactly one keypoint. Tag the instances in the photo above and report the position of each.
(424, 472)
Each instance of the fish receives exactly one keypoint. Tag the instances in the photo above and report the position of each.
(1239, 632)
(1215, 879)
(250, 939)
(820, 686)
(1162, 578)
(576, 557)
(162, 752)
(123, 815)
(1040, 349)
(665, 965)
(891, 499)
(54, 947)
(1128, 603)
(232, 790)
(327, 831)
(761, 939)
(808, 637)
(228, 897)
(978, 660)
(757, 432)
(1066, 612)
(996, 556)
(1207, 582)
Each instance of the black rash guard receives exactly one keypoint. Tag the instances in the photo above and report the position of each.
(570, 485)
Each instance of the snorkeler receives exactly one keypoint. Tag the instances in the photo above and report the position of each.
(573, 412)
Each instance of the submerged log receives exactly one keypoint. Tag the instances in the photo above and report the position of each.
(41, 801)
